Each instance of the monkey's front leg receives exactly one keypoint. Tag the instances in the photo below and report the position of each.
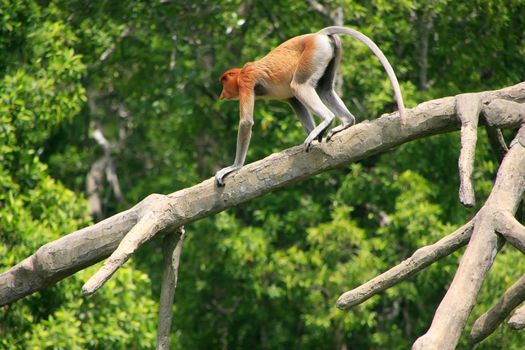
(246, 104)
(243, 141)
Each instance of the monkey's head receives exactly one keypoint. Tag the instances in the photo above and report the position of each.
(230, 84)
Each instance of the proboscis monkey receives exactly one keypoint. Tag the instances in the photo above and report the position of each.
(300, 72)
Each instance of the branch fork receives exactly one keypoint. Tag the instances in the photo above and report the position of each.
(152, 221)
(483, 234)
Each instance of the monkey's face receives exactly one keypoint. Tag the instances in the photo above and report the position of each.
(230, 84)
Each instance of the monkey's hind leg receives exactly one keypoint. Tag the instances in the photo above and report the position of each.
(304, 116)
(325, 89)
(308, 96)
(336, 105)
(316, 56)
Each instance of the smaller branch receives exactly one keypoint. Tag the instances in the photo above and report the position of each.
(111, 175)
(517, 321)
(497, 142)
(94, 178)
(98, 136)
(520, 136)
(316, 6)
(173, 243)
(468, 107)
(125, 33)
(421, 258)
(173, 56)
(145, 229)
(511, 229)
(93, 187)
(490, 320)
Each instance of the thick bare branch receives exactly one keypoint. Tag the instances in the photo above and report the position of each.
(453, 311)
(65, 256)
(500, 111)
(150, 224)
(82, 248)
(173, 243)
(517, 321)
(468, 107)
(421, 258)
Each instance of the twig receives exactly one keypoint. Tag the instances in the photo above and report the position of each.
(497, 142)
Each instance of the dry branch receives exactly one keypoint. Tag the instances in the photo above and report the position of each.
(421, 258)
(468, 108)
(490, 320)
(146, 228)
(517, 321)
(61, 258)
(452, 313)
(511, 229)
(497, 142)
(173, 243)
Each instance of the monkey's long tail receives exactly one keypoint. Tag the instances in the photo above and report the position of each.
(372, 46)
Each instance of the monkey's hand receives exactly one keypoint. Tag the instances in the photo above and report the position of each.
(221, 174)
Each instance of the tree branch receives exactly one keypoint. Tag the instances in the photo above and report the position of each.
(517, 321)
(468, 107)
(490, 320)
(173, 243)
(147, 227)
(85, 247)
(421, 258)
(452, 313)
(497, 142)
(511, 229)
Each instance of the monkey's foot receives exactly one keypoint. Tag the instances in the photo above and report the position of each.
(221, 174)
(308, 142)
(312, 136)
(336, 130)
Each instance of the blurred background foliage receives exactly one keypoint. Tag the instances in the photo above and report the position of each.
(263, 275)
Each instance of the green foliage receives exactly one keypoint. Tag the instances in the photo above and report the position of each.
(266, 274)
(41, 90)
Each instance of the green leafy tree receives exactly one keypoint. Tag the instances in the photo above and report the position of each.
(40, 90)
(266, 274)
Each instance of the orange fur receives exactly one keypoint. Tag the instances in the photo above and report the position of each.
(274, 71)
(300, 72)
(230, 85)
